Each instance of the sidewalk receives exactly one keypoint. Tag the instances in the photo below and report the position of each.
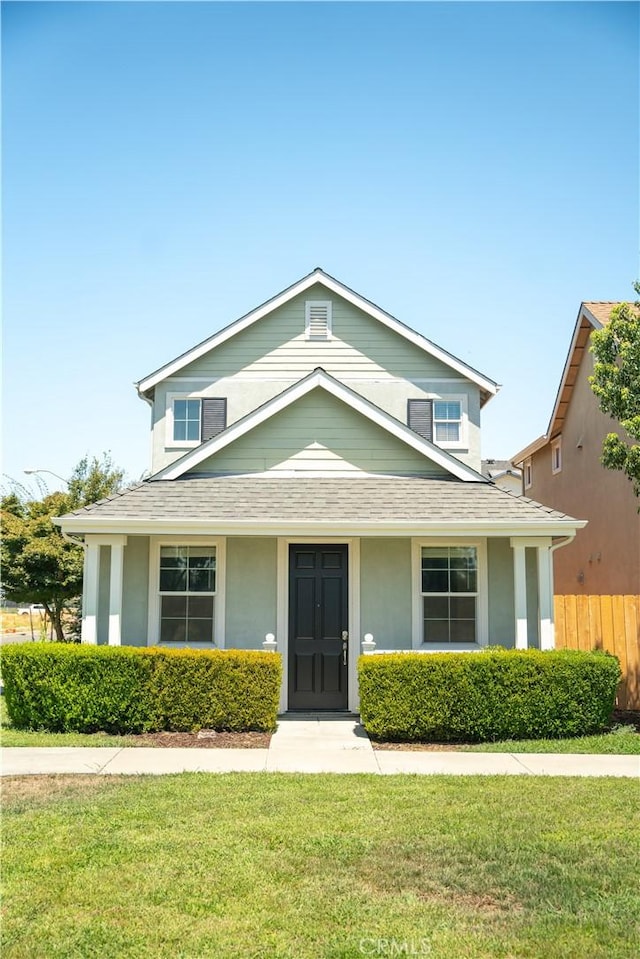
(308, 745)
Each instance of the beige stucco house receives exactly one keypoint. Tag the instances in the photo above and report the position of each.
(316, 488)
(597, 577)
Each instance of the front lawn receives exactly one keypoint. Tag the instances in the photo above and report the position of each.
(320, 867)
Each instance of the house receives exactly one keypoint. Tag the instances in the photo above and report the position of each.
(597, 577)
(315, 481)
(503, 473)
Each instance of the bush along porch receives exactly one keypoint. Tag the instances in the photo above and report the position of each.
(63, 688)
(493, 695)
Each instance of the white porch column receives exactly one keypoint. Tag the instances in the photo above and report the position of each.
(89, 633)
(545, 598)
(115, 589)
(520, 593)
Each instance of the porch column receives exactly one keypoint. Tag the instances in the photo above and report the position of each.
(545, 598)
(520, 594)
(89, 633)
(115, 588)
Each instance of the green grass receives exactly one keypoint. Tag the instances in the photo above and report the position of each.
(622, 740)
(27, 737)
(319, 867)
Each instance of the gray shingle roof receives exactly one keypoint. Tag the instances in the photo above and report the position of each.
(262, 499)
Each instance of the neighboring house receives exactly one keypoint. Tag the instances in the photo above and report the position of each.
(504, 474)
(316, 476)
(597, 577)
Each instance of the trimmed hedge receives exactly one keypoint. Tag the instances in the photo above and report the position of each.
(487, 696)
(123, 689)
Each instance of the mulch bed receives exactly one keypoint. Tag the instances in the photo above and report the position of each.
(206, 739)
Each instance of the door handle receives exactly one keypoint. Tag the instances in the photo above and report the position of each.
(345, 646)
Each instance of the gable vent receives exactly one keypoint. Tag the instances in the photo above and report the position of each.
(214, 416)
(420, 417)
(318, 319)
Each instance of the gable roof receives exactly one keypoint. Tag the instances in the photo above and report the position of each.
(487, 386)
(592, 315)
(319, 378)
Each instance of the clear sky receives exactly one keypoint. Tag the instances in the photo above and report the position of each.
(470, 167)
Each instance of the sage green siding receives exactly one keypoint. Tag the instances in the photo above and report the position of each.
(265, 359)
(385, 591)
(135, 600)
(104, 578)
(501, 593)
(251, 591)
(319, 432)
(359, 345)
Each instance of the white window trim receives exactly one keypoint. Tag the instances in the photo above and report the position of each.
(556, 447)
(482, 607)
(463, 442)
(307, 320)
(527, 473)
(169, 441)
(153, 633)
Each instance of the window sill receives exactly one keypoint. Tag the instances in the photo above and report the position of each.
(450, 648)
(181, 445)
(210, 645)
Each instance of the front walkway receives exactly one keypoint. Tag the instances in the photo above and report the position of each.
(308, 744)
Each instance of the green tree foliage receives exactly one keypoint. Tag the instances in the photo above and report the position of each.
(38, 564)
(616, 383)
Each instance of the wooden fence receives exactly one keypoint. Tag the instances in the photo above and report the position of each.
(611, 623)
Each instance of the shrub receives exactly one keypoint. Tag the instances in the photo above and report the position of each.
(491, 695)
(122, 689)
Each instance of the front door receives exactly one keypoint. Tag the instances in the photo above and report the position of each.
(318, 622)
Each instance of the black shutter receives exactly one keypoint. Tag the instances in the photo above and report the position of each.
(420, 417)
(214, 417)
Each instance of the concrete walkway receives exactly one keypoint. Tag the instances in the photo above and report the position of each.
(308, 744)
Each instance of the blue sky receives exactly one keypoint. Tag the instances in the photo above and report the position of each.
(470, 167)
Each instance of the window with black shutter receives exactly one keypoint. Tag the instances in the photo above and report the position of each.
(420, 417)
(214, 417)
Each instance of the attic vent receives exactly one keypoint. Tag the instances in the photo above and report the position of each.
(318, 319)
(214, 416)
(420, 417)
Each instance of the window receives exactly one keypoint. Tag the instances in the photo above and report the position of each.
(192, 419)
(186, 421)
(317, 319)
(449, 588)
(528, 474)
(187, 593)
(447, 422)
(556, 455)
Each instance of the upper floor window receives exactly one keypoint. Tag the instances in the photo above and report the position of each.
(556, 455)
(528, 474)
(317, 319)
(443, 421)
(186, 420)
(192, 420)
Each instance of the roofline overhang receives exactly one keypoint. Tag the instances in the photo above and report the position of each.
(487, 385)
(175, 527)
(529, 450)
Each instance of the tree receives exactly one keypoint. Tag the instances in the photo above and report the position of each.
(39, 565)
(616, 383)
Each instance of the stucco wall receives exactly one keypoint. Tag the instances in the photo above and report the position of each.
(501, 593)
(605, 556)
(135, 600)
(251, 591)
(385, 591)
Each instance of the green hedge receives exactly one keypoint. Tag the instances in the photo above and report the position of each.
(122, 689)
(487, 696)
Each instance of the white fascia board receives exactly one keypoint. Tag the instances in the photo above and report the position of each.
(145, 527)
(319, 378)
(339, 289)
(529, 450)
